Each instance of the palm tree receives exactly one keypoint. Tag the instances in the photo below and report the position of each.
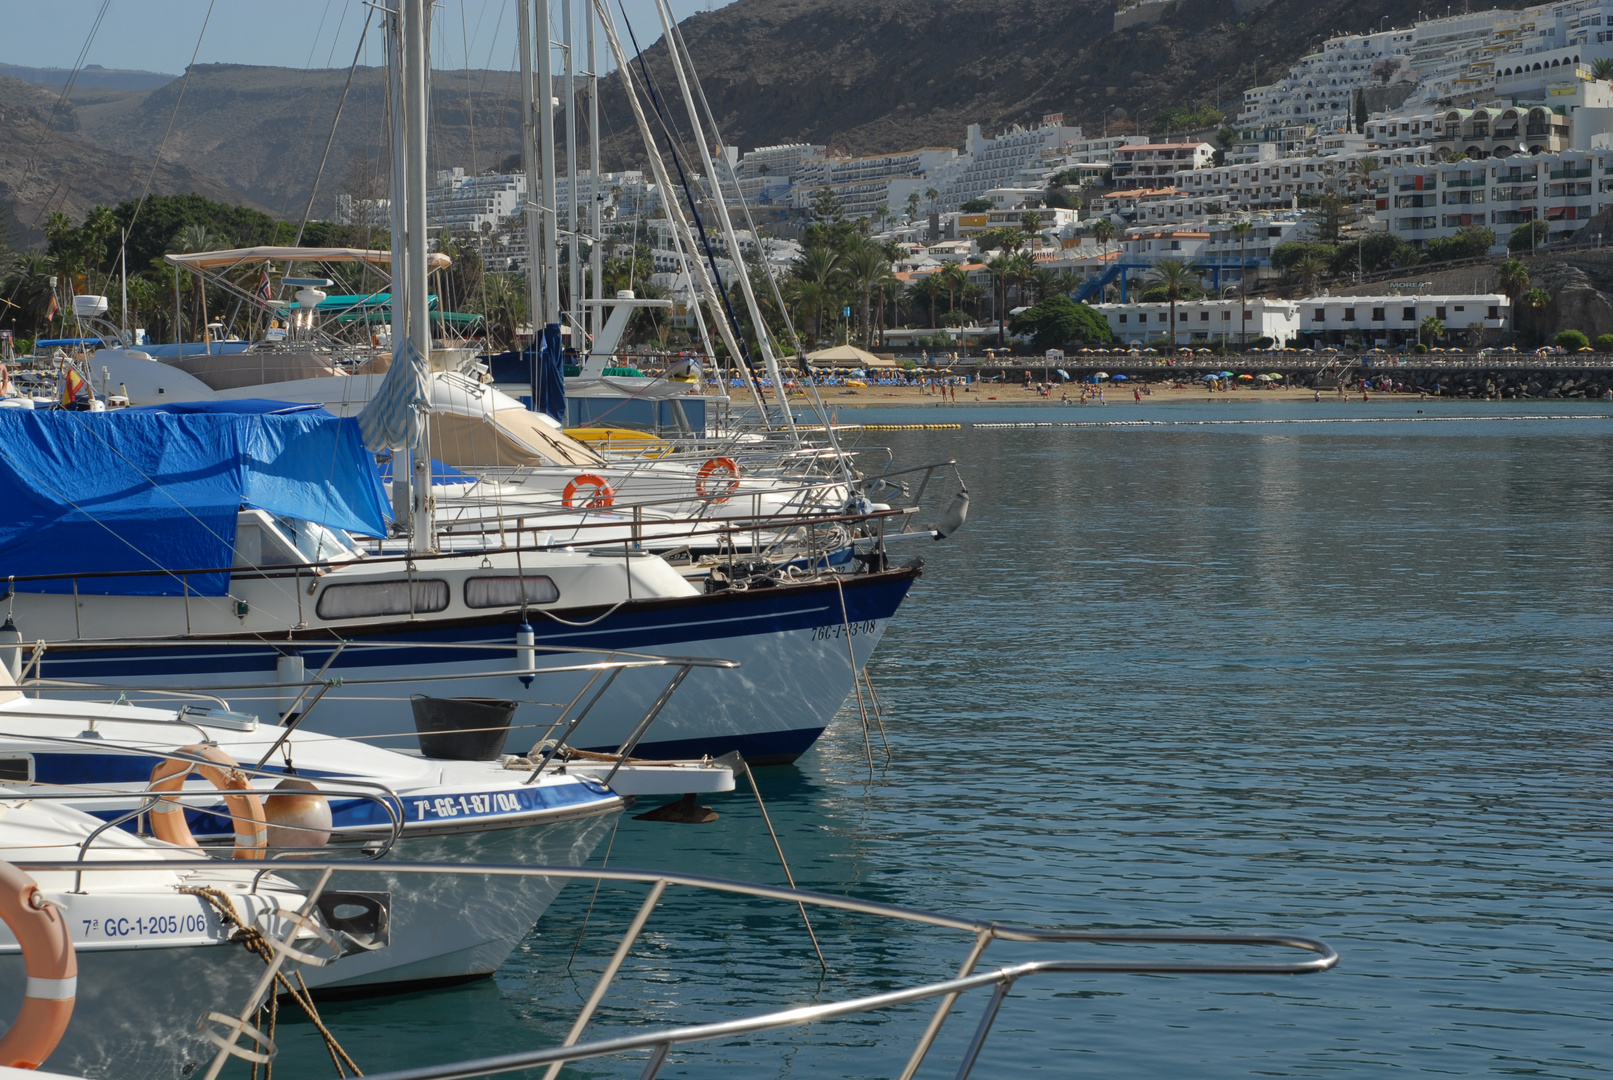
(1602, 70)
(1512, 277)
(1308, 268)
(1000, 269)
(1534, 301)
(1103, 231)
(931, 194)
(189, 240)
(1241, 230)
(929, 288)
(1361, 170)
(866, 266)
(1176, 275)
(954, 281)
(1431, 328)
(913, 203)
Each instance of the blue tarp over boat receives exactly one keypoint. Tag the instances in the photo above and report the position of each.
(134, 490)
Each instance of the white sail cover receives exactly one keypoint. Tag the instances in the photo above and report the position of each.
(392, 418)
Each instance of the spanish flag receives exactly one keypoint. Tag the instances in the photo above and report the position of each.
(50, 312)
(75, 390)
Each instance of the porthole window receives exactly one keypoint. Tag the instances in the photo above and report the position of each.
(420, 597)
(509, 592)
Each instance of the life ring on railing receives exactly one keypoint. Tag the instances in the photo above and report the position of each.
(51, 967)
(246, 809)
(710, 469)
(604, 495)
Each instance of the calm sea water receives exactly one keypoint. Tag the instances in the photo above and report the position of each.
(1346, 679)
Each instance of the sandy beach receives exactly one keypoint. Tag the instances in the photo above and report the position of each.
(1113, 394)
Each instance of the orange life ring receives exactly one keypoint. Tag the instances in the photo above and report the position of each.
(709, 469)
(246, 810)
(51, 965)
(604, 495)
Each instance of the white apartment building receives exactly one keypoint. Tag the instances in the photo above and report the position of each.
(1395, 320)
(1564, 190)
(990, 163)
(1204, 322)
(1404, 131)
(783, 160)
(1158, 164)
(1014, 218)
(1456, 60)
(471, 205)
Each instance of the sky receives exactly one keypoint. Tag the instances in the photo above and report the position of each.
(161, 35)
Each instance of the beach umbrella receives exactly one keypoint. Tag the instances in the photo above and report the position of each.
(1120, 378)
(1225, 374)
(1262, 378)
(1100, 375)
(1245, 376)
(1065, 375)
(1210, 378)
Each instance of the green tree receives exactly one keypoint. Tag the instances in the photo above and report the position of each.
(827, 209)
(977, 206)
(1430, 329)
(1529, 236)
(1000, 268)
(1602, 71)
(1308, 270)
(1175, 276)
(913, 203)
(1285, 256)
(1531, 304)
(866, 267)
(1572, 340)
(1512, 278)
(1361, 115)
(1103, 231)
(1470, 242)
(1058, 320)
(1604, 343)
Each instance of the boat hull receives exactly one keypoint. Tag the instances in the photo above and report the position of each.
(797, 646)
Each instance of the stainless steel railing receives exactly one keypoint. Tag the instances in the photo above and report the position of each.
(983, 933)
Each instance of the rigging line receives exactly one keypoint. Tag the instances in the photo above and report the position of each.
(314, 190)
(163, 145)
(87, 427)
(767, 266)
(683, 180)
(62, 99)
(319, 97)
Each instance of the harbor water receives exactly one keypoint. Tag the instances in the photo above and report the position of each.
(1301, 672)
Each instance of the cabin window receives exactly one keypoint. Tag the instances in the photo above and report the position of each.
(17, 768)
(383, 598)
(506, 592)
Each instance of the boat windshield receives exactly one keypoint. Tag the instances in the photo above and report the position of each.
(316, 543)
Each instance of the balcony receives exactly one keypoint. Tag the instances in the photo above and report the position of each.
(1462, 180)
(1573, 172)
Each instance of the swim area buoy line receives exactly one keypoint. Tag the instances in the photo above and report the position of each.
(604, 495)
(727, 486)
(245, 807)
(51, 966)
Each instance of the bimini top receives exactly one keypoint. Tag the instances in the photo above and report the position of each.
(154, 491)
(201, 260)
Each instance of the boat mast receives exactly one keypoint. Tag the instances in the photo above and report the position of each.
(529, 165)
(400, 257)
(573, 218)
(422, 535)
(545, 92)
(730, 237)
(596, 254)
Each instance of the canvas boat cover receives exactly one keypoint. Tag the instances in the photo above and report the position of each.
(160, 490)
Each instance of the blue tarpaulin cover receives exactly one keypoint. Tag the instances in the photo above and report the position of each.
(133, 490)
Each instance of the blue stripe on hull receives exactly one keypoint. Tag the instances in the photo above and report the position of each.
(639, 627)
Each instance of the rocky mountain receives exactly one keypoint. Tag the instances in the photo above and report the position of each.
(872, 76)
(47, 163)
(866, 76)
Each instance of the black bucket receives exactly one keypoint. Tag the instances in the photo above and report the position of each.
(462, 729)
